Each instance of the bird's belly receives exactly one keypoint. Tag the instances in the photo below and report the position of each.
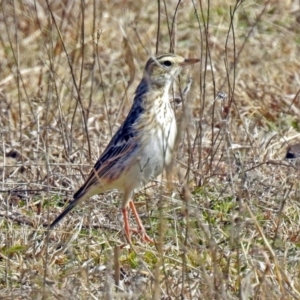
(153, 152)
(158, 151)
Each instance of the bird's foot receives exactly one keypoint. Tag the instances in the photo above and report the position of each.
(146, 238)
(141, 232)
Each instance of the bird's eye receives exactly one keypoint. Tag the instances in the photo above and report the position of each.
(167, 63)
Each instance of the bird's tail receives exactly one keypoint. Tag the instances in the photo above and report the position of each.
(64, 213)
(78, 197)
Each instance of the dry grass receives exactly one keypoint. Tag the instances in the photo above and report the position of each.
(227, 221)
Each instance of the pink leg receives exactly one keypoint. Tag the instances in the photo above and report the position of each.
(141, 228)
(126, 225)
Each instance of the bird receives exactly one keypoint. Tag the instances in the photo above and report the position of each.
(143, 145)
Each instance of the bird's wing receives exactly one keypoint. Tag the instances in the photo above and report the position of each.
(123, 143)
(120, 147)
(100, 173)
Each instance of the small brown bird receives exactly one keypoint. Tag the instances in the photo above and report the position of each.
(143, 145)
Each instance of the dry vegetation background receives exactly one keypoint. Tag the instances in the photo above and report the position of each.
(227, 223)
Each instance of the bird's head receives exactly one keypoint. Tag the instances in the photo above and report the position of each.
(162, 69)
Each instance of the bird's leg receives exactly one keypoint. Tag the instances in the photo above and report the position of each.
(126, 224)
(141, 228)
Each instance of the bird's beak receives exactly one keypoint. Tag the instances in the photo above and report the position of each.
(189, 61)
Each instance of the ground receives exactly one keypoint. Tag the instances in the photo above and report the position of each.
(225, 220)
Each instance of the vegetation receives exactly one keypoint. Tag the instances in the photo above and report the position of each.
(226, 220)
